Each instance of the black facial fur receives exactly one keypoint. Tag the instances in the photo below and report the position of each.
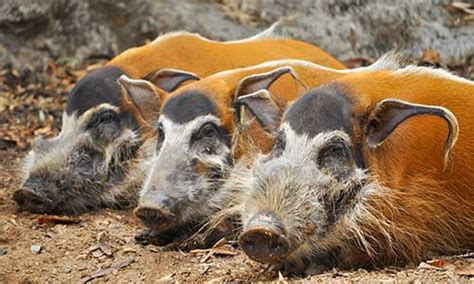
(210, 134)
(280, 145)
(98, 87)
(160, 137)
(105, 125)
(326, 108)
(187, 106)
(336, 159)
(320, 110)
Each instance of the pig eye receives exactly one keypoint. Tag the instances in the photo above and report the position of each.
(336, 159)
(209, 130)
(209, 136)
(105, 116)
(330, 153)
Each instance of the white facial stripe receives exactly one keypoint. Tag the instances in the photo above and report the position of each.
(178, 136)
(72, 126)
(181, 132)
(86, 116)
(176, 145)
(299, 147)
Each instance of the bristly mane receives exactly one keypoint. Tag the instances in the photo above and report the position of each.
(272, 32)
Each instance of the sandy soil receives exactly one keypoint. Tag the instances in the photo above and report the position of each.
(100, 247)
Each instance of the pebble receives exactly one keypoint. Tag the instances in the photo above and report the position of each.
(97, 253)
(36, 249)
(3, 251)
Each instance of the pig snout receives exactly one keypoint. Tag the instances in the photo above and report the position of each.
(264, 239)
(157, 219)
(31, 198)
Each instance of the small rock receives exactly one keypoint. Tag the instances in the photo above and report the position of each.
(41, 115)
(3, 251)
(36, 249)
(82, 257)
(97, 253)
(129, 249)
(105, 248)
(84, 274)
(67, 269)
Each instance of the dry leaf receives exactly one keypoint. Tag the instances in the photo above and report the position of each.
(441, 264)
(219, 243)
(467, 8)
(218, 251)
(425, 265)
(166, 278)
(224, 252)
(105, 271)
(92, 248)
(105, 248)
(57, 219)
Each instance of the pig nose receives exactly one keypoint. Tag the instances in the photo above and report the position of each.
(30, 198)
(264, 239)
(156, 219)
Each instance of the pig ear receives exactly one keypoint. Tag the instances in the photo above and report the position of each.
(170, 79)
(253, 99)
(256, 82)
(390, 113)
(144, 95)
(260, 105)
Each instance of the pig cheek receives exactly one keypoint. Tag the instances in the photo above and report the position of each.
(88, 165)
(106, 133)
(51, 193)
(201, 168)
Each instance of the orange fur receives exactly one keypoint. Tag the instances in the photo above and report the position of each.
(429, 209)
(204, 57)
(193, 53)
(202, 169)
(421, 208)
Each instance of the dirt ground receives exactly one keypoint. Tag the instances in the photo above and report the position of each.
(100, 246)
